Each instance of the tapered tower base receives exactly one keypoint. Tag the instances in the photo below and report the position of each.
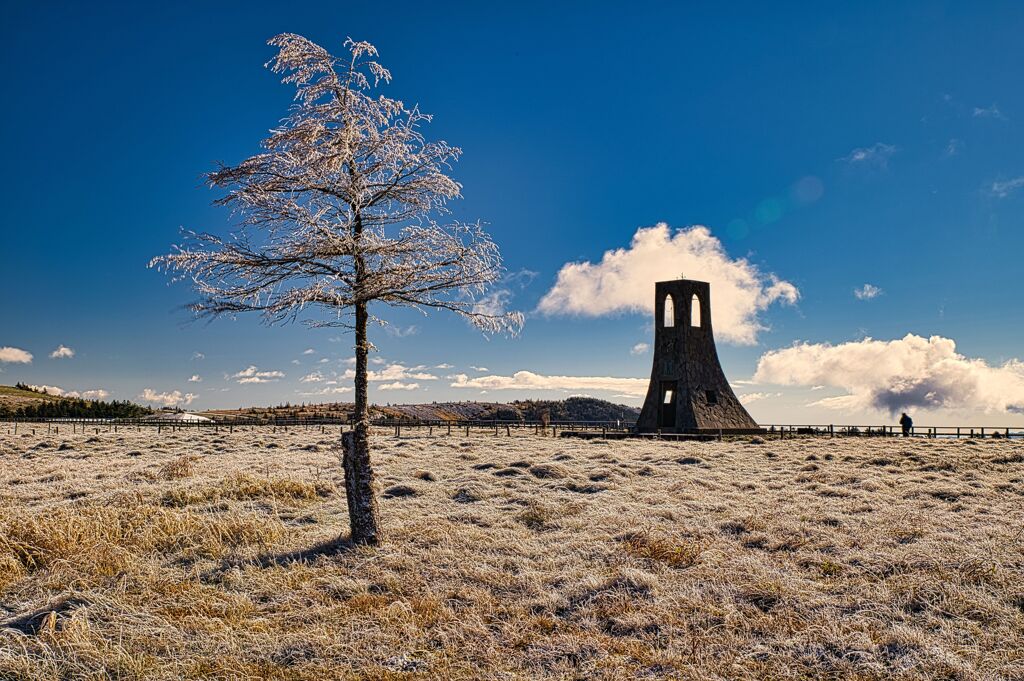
(689, 392)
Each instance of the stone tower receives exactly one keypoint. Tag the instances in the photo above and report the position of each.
(689, 392)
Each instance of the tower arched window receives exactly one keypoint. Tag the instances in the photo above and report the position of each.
(670, 312)
(695, 311)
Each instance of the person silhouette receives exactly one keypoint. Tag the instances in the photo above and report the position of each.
(906, 423)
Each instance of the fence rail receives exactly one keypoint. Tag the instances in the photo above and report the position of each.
(782, 431)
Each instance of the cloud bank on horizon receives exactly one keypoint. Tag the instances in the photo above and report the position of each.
(906, 373)
(166, 399)
(623, 281)
(94, 394)
(528, 380)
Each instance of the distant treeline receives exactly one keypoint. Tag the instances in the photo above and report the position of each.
(76, 408)
(570, 409)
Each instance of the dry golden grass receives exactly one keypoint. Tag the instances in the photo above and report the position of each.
(211, 555)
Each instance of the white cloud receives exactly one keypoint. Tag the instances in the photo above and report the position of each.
(756, 397)
(878, 154)
(253, 375)
(954, 146)
(479, 368)
(315, 377)
(195, 378)
(494, 303)
(527, 380)
(623, 281)
(867, 292)
(444, 365)
(62, 352)
(398, 372)
(889, 376)
(15, 355)
(399, 332)
(1005, 188)
(308, 351)
(393, 372)
(53, 390)
(328, 391)
(198, 355)
(398, 385)
(170, 399)
(639, 349)
(94, 394)
(989, 112)
(97, 394)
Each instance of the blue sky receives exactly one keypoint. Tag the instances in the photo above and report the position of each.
(830, 147)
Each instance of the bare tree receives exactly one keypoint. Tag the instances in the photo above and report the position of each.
(339, 212)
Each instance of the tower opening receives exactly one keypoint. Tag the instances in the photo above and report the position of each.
(695, 311)
(667, 411)
(670, 312)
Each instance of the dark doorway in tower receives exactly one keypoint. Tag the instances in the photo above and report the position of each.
(667, 415)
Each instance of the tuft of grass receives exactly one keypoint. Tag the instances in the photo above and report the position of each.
(244, 487)
(398, 491)
(536, 517)
(104, 541)
(179, 467)
(676, 552)
(548, 471)
(830, 568)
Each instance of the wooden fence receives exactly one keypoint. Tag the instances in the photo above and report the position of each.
(495, 426)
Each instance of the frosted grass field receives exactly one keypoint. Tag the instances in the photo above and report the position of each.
(214, 555)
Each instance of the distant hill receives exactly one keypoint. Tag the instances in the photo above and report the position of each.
(15, 397)
(571, 409)
(22, 401)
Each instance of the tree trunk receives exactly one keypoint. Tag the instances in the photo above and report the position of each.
(362, 504)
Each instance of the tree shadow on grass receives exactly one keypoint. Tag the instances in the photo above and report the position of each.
(334, 547)
(327, 549)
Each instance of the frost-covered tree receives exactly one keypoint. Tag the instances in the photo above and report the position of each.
(343, 213)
